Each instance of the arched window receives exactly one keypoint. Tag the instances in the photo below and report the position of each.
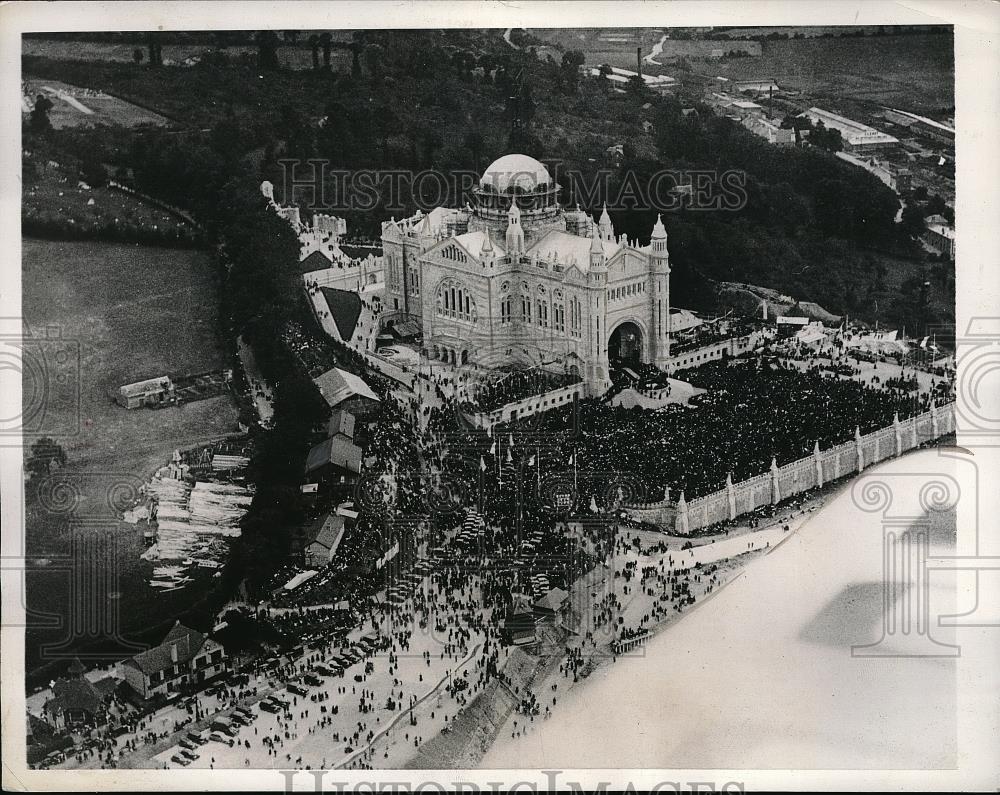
(454, 301)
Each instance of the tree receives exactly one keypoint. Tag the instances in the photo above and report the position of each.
(267, 50)
(153, 42)
(94, 172)
(826, 138)
(475, 142)
(326, 42)
(44, 455)
(912, 223)
(314, 48)
(38, 121)
(569, 70)
(137, 55)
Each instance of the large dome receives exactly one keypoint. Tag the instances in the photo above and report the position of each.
(520, 170)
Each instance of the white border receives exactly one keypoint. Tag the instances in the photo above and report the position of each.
(977, 30)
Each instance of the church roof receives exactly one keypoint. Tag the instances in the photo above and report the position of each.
(569, 248)
(515, 169)
(345, 308)
(473, 243)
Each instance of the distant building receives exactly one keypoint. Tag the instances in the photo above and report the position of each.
(769, 131)
(755, 86)
(941, 238)
(152, 392)
(858, 138)
(733, 106)
(184, 659)
(936, 130)
(896, 177)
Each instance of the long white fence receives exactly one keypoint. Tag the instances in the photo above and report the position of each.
(806, 473)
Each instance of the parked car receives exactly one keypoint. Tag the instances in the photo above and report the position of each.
(219, 737)
(312, 679)
(269, 706)
(189, 744)
(187, 753)
(299, 690)
(180, 760)
(196, 737)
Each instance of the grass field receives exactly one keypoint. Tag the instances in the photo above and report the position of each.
(72, 106)
(53, 194)
(134, 312)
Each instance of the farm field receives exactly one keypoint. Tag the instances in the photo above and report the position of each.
(913, 72)
(290, 56)
(132, 312)
(617, 46)
(73, 106)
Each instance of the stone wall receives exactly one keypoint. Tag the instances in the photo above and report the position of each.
(823, 466)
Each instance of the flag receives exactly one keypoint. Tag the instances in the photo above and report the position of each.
(510, 440)
(482, 464)
(493, 449)
(572, 459)
(923, 343)
(509, 457)
(593, 505)
(489, 431)
(531, 461)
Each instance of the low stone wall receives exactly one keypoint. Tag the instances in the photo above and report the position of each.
(823, 466)
(734, 346)
(527, 407)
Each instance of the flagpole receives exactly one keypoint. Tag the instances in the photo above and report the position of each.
(538, 473)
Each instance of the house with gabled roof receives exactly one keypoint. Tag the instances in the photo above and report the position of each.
(184, 659)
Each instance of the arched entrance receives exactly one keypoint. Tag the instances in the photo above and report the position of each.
(625, 345)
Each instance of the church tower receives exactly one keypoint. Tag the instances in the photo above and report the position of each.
(607, 230)
(659, 293)
(515, 234)
(597, 336)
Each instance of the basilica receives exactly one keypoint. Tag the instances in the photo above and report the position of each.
(516, 280)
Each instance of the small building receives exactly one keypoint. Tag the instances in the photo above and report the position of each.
(323, 538)
(184, 660)
(769, 131)
(551, 604)
(78, 703)
(941, 238)
(341, 423)
(405, 331)
(337, 459)
(519, 627)
(857, 137)
(341, 389)
(755, 86)
(789, 326)
(152, 392)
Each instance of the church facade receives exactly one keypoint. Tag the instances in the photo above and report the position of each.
(517, 280)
